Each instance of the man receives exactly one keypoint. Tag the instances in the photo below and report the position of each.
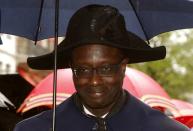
(97, 48)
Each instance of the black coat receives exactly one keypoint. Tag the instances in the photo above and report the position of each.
(134, 116)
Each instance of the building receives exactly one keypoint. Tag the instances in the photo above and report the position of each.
(15, 50)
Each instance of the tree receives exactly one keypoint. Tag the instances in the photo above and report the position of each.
(175, 72)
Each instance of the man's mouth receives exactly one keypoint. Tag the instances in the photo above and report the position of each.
(96, 92)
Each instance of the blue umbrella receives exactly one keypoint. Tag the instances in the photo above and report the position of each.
(145, 18)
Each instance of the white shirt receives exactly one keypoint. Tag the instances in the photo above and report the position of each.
(90, 113)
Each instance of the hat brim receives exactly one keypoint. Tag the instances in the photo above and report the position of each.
(135, 55)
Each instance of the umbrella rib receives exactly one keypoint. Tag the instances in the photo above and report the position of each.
(39, 21)
(146, 36)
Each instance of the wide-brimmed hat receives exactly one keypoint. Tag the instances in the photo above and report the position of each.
(98, 24)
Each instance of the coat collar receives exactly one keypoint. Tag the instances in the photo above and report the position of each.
(130, 115)
(121, 101)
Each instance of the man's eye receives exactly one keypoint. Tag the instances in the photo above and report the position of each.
(106, 69)
(83, 70)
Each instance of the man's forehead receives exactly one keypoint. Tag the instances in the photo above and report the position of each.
(96, 50)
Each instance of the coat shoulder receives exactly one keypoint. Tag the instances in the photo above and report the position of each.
(158, 121)
(146, 118)
(42, 121)
(34, 122)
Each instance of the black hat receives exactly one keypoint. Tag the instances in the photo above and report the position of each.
(102, 25)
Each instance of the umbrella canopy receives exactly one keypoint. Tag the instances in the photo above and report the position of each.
(136, 82)
(140, 84)
(148, 90)
(42, 94)
(145, 18)
(184, 107)
(179, 110)
(186, 112)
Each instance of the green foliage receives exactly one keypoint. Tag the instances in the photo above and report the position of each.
(175, 72)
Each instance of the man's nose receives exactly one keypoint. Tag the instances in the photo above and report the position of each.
(95, 78)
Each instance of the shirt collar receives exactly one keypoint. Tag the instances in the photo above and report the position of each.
(90, 113)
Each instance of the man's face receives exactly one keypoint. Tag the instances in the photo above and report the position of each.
(98, 74)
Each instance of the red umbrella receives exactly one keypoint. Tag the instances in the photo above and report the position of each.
(148, 90)
(186, 112)
(136, 82)
(42, 94)
(140, 84)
